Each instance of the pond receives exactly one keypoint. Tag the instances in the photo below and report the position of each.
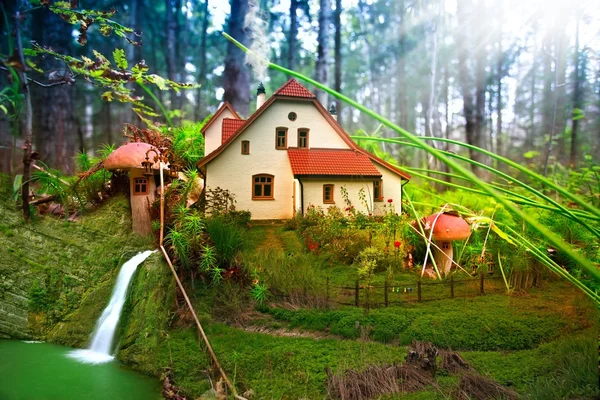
(42, 371)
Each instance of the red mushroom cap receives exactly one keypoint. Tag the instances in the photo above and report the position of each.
(448, 226)
(130, 155)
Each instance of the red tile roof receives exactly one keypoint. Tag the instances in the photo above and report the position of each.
(230, 126)
(293, 89)
(215, 116)
(339, 162)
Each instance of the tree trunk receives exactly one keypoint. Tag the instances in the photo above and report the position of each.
(338, 55)
(576, 100)
(135, 22)
(530, 133)
(53, 106)
(472, 126)
(171, 47)
(293, 33)
(323, 48)
(237, 76)
(27, 122)
(499, 76)
(107, 122)
(199, 114)
(560, 120)
(401, 95)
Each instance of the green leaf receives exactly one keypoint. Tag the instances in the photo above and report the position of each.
(531, 154)
(159, 81)
(3, 109)
(105, 29)
(17, 186)
(33, 66)
(30, 52)
(107, 96)
(120, 59)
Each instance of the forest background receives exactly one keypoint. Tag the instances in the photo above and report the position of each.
(520, 78)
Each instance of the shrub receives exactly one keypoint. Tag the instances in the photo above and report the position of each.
(240, 218)
(227, 239)
(188, 143)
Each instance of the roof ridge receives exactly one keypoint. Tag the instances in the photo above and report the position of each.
(213, 118)
(294, 89)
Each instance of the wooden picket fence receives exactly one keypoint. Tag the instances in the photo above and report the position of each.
(395, 293)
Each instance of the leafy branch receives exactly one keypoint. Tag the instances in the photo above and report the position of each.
(86, 18)
(101, 72)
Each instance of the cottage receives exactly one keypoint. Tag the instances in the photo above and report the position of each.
(292, 153)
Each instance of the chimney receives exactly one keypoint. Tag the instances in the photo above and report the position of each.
(333, 111)
(260, 96)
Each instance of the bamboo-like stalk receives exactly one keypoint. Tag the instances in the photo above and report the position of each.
(503, 274)
(525, 201)
(520, 168)
(507, 177)
(422, 234)
(429, 242)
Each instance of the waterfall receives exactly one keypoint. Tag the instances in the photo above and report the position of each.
(100, 351)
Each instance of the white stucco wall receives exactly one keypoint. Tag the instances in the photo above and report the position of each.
(212, 135)
(392, 188)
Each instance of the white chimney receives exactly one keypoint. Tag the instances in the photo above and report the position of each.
(260, 96)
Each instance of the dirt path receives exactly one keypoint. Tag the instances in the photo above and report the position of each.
(272, 240)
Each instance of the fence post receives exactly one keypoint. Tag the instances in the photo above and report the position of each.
(419, 290)
(327, 294)
(481, 278)
(452, 286)
(356, 288)
(385, 293)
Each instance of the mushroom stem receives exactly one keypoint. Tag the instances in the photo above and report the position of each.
(443, 256)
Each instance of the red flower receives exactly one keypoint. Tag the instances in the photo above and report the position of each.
(397, 244)
(390, 200)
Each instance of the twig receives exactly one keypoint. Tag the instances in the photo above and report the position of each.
(52, 175)
(429, 241)
(206, 342)
(42, 200)
(44, 85)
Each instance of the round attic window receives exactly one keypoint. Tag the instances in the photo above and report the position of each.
(292, 116)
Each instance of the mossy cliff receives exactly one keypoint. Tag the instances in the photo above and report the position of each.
(56, 276)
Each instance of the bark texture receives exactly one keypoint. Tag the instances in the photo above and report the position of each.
(236, 77)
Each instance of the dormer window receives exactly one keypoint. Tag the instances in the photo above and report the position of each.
(281, 138)
(303, 138)
(245, 147)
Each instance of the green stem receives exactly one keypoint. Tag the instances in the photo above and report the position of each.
(524, 200)
(157, 101)
(508, 178)
(550, 236)
(523, 169)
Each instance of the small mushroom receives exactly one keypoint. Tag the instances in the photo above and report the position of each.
(447, 227)
(129, 157)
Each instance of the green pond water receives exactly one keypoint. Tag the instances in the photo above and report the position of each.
(42, 371)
